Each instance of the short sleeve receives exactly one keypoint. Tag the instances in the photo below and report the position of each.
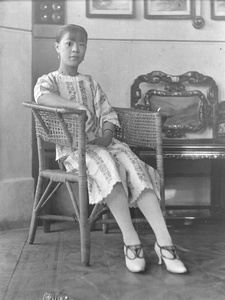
(103, 109)
(45, 85)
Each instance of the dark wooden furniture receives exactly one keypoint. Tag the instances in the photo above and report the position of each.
(192, 130)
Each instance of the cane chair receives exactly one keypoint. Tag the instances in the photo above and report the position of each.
(67, 127)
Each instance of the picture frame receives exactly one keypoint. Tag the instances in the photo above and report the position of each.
(110, 8)
(172, 9)
(217, 9)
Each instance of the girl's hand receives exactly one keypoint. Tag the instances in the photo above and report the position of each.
(102, 141)
(106, 139)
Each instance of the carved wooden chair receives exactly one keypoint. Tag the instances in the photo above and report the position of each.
(67, 127)
(190, 103)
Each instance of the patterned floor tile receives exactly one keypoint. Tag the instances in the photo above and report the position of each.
(52, 264)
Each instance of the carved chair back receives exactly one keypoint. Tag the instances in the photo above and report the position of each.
(188, 103)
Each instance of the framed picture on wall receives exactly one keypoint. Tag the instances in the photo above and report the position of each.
(218, 9)
(110, 8)
(169, 9)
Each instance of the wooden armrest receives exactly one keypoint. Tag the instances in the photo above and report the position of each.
(61, 110)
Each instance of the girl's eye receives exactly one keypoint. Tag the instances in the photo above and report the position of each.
(82, 45)
(69, 43)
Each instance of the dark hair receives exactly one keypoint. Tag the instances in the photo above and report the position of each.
(71, 28)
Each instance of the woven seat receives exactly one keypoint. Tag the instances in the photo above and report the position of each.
(67, 127)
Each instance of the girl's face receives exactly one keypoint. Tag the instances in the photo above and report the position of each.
(71, 48)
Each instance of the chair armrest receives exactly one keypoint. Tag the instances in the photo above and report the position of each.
(62, 126)
(61, 110)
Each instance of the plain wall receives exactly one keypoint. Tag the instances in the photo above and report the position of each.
(16, 182)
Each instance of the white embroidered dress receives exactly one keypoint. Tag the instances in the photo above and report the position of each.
(105, 165)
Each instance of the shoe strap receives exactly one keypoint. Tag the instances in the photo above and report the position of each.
(171, 250)
(137, 251)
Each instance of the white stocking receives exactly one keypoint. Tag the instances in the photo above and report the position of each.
(118, 205)
(149, 206)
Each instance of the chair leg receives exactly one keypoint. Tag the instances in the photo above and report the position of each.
(46, 225)
(85, 243)
(105, 226)
(81, 212)
(47, 207)
(34, 220)
(85, 227)
(33, 228)
(41, 198)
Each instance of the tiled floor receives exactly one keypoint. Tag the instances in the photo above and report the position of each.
(52, 264)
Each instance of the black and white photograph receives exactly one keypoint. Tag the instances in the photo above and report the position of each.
(112, 149)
